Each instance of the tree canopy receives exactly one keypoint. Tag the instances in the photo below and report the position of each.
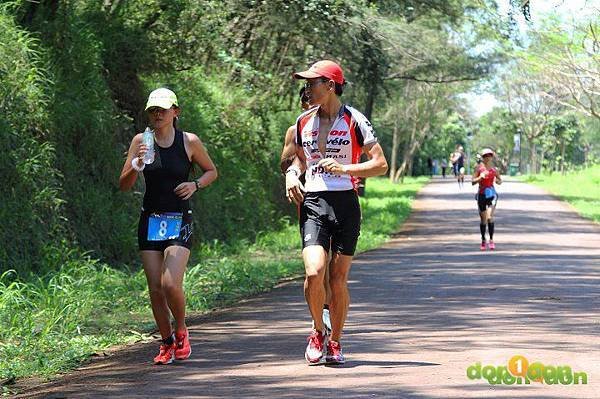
(75, 74)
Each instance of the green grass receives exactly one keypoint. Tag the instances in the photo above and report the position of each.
(50, 323)
(580, 189)
(385, 208)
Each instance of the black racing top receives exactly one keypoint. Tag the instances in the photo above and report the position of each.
(170, 168)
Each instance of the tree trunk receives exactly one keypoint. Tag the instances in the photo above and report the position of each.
(586, 151)
(532, 156)
(409, 167)
(417, 136)
(394, 155)
(368, 112)
(563, 147)
(371, 94)
(408, 155)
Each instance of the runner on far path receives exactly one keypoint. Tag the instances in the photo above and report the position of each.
(487, 197)
(165, 225)
(329, 141)
(287, 157)
(444, 166)
(458, 164)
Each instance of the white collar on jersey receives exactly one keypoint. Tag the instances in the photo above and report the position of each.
(340, 112)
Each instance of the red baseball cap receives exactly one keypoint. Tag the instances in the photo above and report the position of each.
(327, 69)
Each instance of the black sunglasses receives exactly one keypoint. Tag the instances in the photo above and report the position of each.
(309, 85)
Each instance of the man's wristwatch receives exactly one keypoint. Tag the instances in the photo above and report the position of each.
(198, 186)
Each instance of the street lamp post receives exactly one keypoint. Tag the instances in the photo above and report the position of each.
(516, 149)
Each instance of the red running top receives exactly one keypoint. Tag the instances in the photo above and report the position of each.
(488, 181)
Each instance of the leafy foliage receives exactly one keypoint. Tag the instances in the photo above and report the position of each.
(32, 194)
(79, 72)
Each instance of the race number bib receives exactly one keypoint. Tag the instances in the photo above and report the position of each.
(489, 192)
(164, 226)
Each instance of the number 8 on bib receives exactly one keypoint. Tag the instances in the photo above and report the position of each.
(164, 226)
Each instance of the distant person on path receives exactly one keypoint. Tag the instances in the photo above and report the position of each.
(287, 156)
(329, 141)
(487, 198)
(444, 165)
(458, 163)
(165, 224)
(430, 166)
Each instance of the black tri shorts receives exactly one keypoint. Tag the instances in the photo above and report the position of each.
(331, 218)
(156, 242)
(484, 203)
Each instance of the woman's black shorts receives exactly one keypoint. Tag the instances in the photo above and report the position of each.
(331, 218)
(483, 203)
(183, 240)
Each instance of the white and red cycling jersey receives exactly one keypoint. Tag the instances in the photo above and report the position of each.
(350, 132)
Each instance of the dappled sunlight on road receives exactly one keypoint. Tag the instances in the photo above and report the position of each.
(425, 307)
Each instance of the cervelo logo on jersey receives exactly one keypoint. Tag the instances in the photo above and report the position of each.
(336, 141)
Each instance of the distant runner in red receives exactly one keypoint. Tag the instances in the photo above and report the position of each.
(330, 139)
(487, 197)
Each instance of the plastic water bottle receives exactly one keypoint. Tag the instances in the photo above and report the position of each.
(148, 140)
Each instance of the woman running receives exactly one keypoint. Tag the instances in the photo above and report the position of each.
(487, 197)
(165, 224)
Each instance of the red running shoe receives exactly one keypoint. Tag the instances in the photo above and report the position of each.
(166, 354)
(492, 245)
(314, 349)
(334, 353)
(482, 246)
(182, 341)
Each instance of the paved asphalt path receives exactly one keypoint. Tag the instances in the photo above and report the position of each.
(425, 307)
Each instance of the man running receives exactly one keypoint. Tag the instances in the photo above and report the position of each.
(444, 165)
(287, 156)
(329, 141)
(458, 163)
(487, 197)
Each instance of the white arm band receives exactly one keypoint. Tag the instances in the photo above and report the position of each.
(294, 169)
(134, 164)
